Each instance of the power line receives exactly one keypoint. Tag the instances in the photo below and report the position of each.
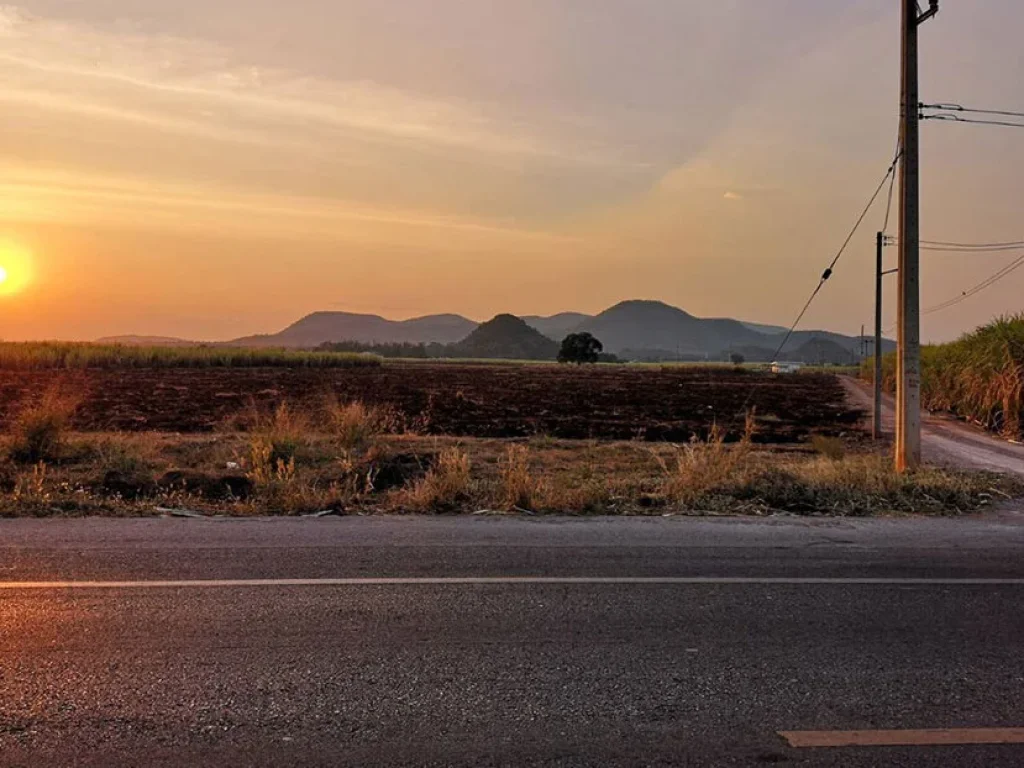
(955, 119)
(892, 185)
(949, 247)
(891, 172)
(1004, 272)
(992, 249)
(961, 108)
(972, 246)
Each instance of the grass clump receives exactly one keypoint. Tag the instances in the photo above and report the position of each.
(280, 488)
(863, 486)
(356, 425)
(519, 488)
(39, 431)
(279, 435)
(704, 465)
(444, 487)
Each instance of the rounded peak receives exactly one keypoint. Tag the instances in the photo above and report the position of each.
(505, 319)
(647, 306)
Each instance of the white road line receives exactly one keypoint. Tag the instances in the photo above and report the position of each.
(509, 580)
(929, 737)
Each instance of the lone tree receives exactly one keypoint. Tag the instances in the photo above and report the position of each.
(737, 358)
(580, 348)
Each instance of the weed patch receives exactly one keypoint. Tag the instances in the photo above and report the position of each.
(518, 488)
(445, 486)
(39, 432)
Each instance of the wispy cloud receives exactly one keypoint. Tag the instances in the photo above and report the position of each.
(33, 195)
(191, 87)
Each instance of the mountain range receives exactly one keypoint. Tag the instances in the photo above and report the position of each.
(640, 330)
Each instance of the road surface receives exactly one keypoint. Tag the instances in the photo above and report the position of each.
(945, 440)
(476, 642)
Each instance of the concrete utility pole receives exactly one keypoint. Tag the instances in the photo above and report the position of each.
(908, 379)
(876, 426)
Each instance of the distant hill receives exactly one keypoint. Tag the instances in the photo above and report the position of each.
(559, 326)
(766, 329)
(325, 327)
(639, 325)
(851, 345)
(506, 337)
(632, 330)
(820, 351)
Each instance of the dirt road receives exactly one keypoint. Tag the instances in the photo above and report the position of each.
(947, 441)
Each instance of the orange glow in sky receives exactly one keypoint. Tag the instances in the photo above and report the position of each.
(212, 170)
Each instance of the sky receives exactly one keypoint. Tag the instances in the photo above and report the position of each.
(212, 169)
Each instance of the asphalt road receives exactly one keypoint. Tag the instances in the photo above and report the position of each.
(742, 629)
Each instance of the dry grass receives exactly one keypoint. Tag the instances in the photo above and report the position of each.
(703, 466)
(39, 432)
(135, 474)
(829, 447)
(518, 488)
(279, 435)
(356, 425)
(446, 485)
(860, 486)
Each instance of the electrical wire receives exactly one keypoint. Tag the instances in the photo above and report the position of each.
(997, 249)
(892, 186)
(987, 283)
(960, 108)
(974, 246)
(949, 247)
(955, 119)
(891, 172)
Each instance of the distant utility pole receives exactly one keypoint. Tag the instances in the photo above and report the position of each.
(908, 358)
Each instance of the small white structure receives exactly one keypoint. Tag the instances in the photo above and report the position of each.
(778, 367)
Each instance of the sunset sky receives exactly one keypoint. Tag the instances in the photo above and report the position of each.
(209, 169)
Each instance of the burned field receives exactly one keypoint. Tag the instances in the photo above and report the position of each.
(450, 439)
(484, 401)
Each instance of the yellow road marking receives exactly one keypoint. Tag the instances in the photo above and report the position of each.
(933, 737)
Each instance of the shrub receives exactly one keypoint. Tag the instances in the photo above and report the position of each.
(40, 429)
(580, 348)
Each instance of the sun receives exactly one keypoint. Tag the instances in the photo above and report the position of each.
(15, 268)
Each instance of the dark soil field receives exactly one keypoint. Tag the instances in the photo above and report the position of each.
(671, 403)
